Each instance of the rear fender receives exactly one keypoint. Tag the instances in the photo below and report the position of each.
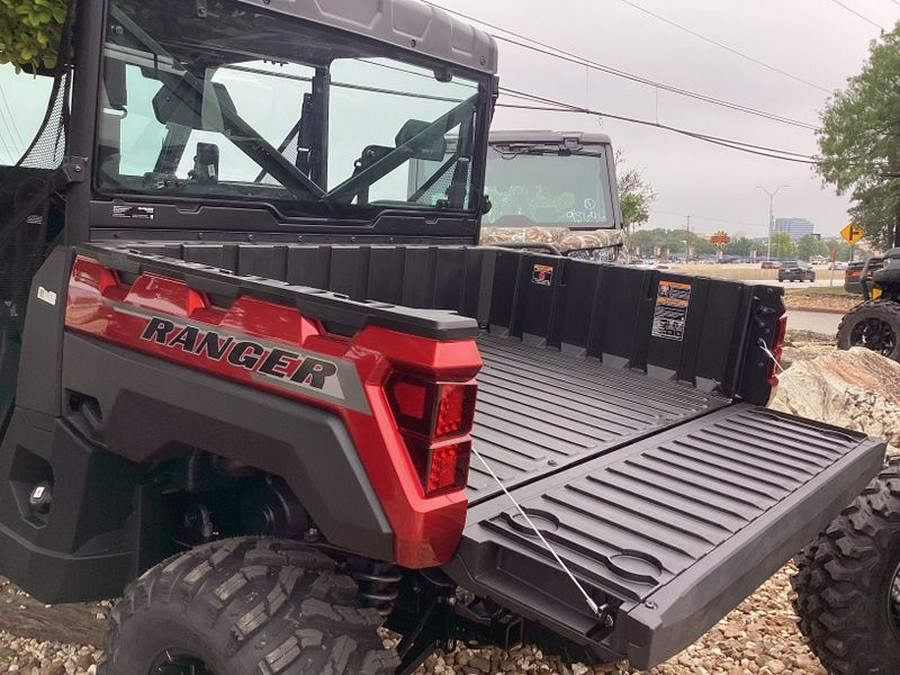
(167, 365)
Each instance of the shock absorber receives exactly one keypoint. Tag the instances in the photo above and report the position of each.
(379, 584)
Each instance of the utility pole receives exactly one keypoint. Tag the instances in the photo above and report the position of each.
(687, 246)
(771, 195)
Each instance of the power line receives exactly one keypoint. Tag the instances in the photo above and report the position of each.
(734, 51)
(552, 105)
(666, 87)
(7, 137)
(12, 119)
(711, 219)
(563, 55)
(855, 13)
(743, 146)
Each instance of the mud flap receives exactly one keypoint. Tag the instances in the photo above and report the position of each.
(666, 535)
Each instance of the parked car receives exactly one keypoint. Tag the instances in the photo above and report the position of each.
(796, 270)
(853, 270)
(770, 264)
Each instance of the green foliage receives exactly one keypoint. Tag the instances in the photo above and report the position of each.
(860, 140)
(839, 243)
(782, 246)
(30, 32)
(809, 246)
(635, 194)
(669, 242)
(741, 246)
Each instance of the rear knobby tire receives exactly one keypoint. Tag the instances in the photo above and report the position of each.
(844, 584)
(859, 328)
(242, 606)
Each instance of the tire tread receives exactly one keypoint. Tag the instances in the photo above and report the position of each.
(840, 579)
(216, 583)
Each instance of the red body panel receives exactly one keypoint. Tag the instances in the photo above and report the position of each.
(426, 531)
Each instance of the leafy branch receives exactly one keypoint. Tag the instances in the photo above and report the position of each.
(30, 32)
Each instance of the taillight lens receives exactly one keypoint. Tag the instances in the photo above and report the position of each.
(455, 409)
(441, 467)
(777, 348)
(435, 419)
(432, 409)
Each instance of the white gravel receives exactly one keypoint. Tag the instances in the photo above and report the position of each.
(760, 637)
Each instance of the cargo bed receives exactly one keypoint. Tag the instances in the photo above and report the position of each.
(541, 410)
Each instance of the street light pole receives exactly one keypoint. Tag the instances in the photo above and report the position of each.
(771, 215)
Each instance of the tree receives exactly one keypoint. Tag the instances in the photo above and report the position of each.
(809, 246)
(30, 32)
(635, 194)
(740, 246)
(840, 245)
(860, 142)
(782, 246)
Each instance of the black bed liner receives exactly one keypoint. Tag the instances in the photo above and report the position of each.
(670, 532)
(540, 410)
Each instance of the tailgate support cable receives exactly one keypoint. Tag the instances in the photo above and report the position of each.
(587, 598)
(768, 352)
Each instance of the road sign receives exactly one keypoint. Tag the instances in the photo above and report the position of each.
(719, 239)
(852, 233)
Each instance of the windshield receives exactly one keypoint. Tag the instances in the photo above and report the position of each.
(232, 104)
(545, 186)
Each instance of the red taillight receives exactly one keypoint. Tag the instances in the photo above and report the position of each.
(441, 467)
(435, 419)
(409, 398)
(456, 409)
(777, 348)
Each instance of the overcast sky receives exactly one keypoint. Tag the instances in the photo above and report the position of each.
(815, 40)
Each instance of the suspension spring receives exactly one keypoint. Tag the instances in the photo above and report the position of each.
(379, 586)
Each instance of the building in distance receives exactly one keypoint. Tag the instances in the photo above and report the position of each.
(797, 228)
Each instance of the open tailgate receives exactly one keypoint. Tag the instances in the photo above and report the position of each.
(667, 534)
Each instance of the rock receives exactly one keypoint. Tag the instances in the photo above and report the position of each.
(857, 389)
(480, 664)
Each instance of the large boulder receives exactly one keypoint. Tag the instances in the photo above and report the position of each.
(857, 389)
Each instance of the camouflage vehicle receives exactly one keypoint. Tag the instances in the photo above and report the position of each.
(553, 188)
(549, 191)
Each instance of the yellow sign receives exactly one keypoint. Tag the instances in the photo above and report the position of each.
(852, 233)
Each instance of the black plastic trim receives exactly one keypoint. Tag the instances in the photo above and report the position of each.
(41, 361)
(52, 576)
(313, 303)
(148, 404)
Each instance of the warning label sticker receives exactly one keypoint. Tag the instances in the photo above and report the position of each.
(670, 315)
(542, 275)
(134, 212)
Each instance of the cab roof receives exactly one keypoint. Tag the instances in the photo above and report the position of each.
(410, 25)
(547, 136)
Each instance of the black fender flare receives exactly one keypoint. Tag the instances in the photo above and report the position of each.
(148, 404)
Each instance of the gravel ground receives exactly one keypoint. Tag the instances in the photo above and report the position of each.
(759, 637)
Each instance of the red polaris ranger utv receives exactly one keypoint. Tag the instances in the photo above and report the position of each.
(251, 380)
